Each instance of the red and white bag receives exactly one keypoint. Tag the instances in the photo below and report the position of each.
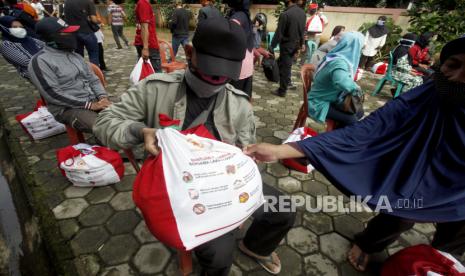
(299, 164)
(142, 70)
(196, 189)
(379, 68)
(88, 166)
(422, 260)
(40, 123)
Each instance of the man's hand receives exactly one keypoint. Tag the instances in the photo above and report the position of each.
(100, 105)
(150, 141)
(145, 53)
(262, 152)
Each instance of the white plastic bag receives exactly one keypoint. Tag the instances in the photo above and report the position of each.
(141, 70)
(196, 190)
(40, 123)
(299, 164)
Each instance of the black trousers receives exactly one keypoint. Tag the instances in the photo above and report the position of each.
(101, 57)
(342, 118)
(245, 85)
(385, 229)
(262, 238)
(286, 56)
(365, 62)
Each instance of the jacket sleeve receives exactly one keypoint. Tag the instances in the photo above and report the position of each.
(119, 125)
(246, 133)
(94, 82)
(278, 35)
(45, 79)
(343, 81)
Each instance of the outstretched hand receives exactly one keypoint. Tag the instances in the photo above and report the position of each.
(263, 152)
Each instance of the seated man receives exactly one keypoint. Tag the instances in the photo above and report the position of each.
(199, 95)
(74, 94)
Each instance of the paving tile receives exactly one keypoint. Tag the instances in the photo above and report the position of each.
(70, 208)
(302, 240)
(289, 184)
(74, 192)
(100, 195)
(89, 240)
(118, 249)
(122, 201)
(143, 234)
(318, 264)
(334, 246)
(123, 222)
(151, 258)
(318, 223)
(96, 215)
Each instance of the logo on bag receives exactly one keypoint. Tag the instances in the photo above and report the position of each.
(238, 184)
(243, 197)
(87, 151)
(187, 177)
(197, 145)
(199, 209)
(193, 194)
(230, 169)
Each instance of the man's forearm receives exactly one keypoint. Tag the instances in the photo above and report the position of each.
(145, 35)
(290, 150)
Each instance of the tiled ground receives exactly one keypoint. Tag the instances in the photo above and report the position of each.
(102, 233)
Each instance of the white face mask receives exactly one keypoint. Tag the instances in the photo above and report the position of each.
(18, 32)
(380, 22)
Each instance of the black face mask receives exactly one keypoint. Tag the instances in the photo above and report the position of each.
(66, 42)
(450, 92)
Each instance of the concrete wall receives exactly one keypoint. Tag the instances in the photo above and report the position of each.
(350, 17)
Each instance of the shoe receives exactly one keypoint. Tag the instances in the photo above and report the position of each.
(292, 86)
(279, 93)
(106, 69)
(119, 48)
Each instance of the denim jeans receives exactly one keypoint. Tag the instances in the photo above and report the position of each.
(89, 41)
(179, 40)
(117, 33)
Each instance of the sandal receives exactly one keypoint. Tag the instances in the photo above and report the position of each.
(361, 261)
(263, 261)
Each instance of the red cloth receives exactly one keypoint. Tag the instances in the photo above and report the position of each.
(418, 261)
(419, 56)
(144, 14)
(146, 71)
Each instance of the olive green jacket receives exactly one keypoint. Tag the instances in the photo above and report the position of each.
(119, 126)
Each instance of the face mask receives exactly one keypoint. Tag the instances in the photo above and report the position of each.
(450, 92)
(18, 32)
(64, 42)
(200, 87)
(380, 23)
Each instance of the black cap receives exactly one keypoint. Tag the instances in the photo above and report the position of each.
(53, 25)
(220, 46)
(454, 47)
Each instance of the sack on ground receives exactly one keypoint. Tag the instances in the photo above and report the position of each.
(299, 164)
(142, 70)
(422, 260)
(40, 123)
(196, 189)
(270, 68)
(379, 68)
(89, 166)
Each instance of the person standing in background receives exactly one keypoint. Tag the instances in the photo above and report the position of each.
(179, 26)
(375, 39)
(116, 18)
(49, 7)
(101, 54)
(83, 14)
(40, 10)
(290, 37)
(146, 40)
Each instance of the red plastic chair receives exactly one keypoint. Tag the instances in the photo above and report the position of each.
(169, 65)
(306, 75)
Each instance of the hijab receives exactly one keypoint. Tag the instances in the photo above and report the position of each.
(348, 48)
(379, 29)
(402, 49)
(27, 42)
(424, 39)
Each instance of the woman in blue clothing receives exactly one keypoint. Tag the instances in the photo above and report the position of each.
(408, 153)
(333, 79)
(17, 46)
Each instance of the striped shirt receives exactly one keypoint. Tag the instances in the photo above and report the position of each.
(117, 14)
(16, 55)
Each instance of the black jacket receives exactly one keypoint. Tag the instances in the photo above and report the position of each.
(291, 27)
(180, 22)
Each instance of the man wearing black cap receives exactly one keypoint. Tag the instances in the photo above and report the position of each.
(290, 37)
(201, 95)
(73, 92)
